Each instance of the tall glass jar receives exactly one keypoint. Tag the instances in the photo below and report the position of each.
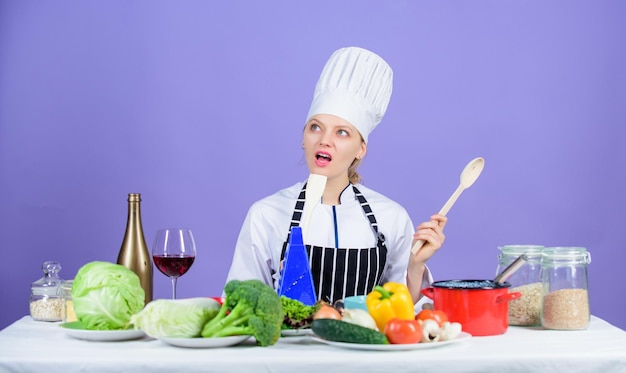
(46, 303)
(67, 312)
(526, 310)
(565, 288)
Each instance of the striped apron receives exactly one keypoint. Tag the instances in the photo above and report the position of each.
(341, 272)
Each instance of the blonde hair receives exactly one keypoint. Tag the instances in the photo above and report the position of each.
(353, 175)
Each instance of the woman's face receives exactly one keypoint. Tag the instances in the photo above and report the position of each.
(330, 145)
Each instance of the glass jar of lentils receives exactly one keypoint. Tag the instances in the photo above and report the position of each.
(526, 310)
(46, 302)
(565, 288)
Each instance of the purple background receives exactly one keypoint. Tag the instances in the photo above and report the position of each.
(199, 106)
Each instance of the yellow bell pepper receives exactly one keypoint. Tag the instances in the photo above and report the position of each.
(388, 301)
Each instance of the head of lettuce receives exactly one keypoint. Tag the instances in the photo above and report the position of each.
(106, 295)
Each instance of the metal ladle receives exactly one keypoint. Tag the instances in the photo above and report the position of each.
(468, 176)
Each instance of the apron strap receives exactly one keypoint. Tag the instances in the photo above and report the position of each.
(370, 215)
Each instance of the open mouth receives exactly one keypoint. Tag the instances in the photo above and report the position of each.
(323, 157)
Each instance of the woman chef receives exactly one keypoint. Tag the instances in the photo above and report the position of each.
(357, 237)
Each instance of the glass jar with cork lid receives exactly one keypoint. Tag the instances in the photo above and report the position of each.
(46, 303)
(526, 310)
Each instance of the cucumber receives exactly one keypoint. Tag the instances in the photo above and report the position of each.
(341, 331)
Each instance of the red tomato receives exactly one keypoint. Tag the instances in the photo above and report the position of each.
(436, 315)
(219, 300)
(403, 331)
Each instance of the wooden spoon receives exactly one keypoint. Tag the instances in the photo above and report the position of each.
(510, 269)
(468, 176)
(314, 190)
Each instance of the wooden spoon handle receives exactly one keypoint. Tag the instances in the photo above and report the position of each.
(444, 210)
(418, 245)
(448, 205)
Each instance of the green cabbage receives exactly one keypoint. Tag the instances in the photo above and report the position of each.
(175, 318)
(106, 295)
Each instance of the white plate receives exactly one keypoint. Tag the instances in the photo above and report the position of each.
(75, 329)
(395, 347)
(296, 332)
(205, 342)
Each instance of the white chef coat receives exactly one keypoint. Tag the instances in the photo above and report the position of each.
(266, 227)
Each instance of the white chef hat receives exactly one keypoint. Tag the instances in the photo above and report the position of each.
(355, 85)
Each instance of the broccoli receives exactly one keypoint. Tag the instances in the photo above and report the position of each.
(297, 314)
(250, 307)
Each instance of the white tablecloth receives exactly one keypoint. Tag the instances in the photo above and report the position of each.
(30, 346)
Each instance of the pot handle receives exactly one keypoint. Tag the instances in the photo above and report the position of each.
(429, 292)
(508, 297)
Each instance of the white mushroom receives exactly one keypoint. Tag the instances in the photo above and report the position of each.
(431, 332)
(450, 331)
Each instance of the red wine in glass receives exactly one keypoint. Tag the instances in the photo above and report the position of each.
(173, 252)
(173, 266)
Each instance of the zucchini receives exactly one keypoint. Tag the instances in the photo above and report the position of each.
(341, 331)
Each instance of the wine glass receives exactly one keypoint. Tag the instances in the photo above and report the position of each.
(173, 252)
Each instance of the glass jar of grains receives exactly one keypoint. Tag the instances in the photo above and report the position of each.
(67, 312)
(565, 288)
(46, 303)
(526, 310)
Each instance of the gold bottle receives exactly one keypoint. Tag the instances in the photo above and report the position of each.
(134, 253)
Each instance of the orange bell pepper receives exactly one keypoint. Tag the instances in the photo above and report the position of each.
(392, 300)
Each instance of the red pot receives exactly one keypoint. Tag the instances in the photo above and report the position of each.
(481, 306)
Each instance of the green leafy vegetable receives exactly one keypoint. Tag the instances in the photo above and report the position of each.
(181, 318)
(297, 314)
(106, 295)
(251, 307)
